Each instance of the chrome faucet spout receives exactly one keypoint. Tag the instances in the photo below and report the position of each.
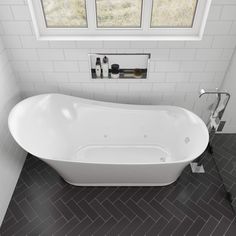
(216, 92)
(201, 92)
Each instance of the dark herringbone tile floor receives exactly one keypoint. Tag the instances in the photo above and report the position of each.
(225, 157)
(43, 204)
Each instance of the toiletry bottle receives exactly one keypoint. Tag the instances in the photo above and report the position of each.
(98, 68)
(115, 71)
(105, 67)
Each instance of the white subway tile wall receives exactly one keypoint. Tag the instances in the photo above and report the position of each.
(177, 70)
(230, 85)
(11, 155)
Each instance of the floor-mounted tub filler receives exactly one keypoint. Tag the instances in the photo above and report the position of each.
(97, 143)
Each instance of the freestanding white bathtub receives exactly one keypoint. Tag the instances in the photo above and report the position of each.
(97, 143)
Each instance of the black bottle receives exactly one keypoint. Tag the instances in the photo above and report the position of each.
(115, 71)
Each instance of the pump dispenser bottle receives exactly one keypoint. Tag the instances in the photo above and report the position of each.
(105, 67)
(98, 67)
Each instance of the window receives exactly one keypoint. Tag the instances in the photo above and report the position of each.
(119, 13)
(60, 13)
(119, 19)
(173, 13)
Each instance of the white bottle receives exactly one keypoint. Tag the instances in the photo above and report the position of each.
(105, 67)
(98, 68)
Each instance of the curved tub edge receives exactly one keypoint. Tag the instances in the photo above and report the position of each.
(119, 184)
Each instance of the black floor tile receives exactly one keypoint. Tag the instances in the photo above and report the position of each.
(119, 227)
(106, 227)
(128, 193)
(78, 212)
(43, 204)
(198, 210)
(89, 210)
(140, 193)
(7, 224)
(137, 210)
(222, 227)
(147, 207)
(28, 210)
(130, 228)
(27, 227)
(64, 209)
(144, 227)
(67, 227)
(97, 224)
(210, 210)
(170, 227)
(125, 209)
(13, 229)
(183, 227)
(232, 229)
(222, 209)
(84, 224)
(208, 227)
(208, 194)
(161, 209)
(51, 228)
(225, 152)
(196, 227)
(40, 227)
(96, 205)
(186, 210)
(114, 211)
(173, 209)
(157, 227)
(198, 193)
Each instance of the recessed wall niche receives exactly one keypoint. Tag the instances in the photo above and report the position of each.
(119, 66)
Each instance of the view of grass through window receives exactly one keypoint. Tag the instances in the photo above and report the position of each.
(65, 13)
(173, 13)
(119, 13)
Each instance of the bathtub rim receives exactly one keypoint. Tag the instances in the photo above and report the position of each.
(122, 106)
(108, 105)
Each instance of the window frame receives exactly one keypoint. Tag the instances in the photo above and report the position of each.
(145, 32)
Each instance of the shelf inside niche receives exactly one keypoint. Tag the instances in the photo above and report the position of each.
(124, 74)
(128, 63)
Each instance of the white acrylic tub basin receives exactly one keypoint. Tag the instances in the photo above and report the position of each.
(119, 154)
(97, 143)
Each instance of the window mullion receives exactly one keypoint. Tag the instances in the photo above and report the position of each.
(91, 14)
(146, 14)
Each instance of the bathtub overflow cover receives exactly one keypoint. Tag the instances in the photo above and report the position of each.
(187, 140)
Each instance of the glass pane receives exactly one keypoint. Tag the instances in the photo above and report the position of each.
(65, 13)
(173, 13)
(119, 13)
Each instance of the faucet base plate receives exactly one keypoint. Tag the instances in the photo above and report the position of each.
(196, 168)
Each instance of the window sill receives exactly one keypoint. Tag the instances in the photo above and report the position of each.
(120, 38)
